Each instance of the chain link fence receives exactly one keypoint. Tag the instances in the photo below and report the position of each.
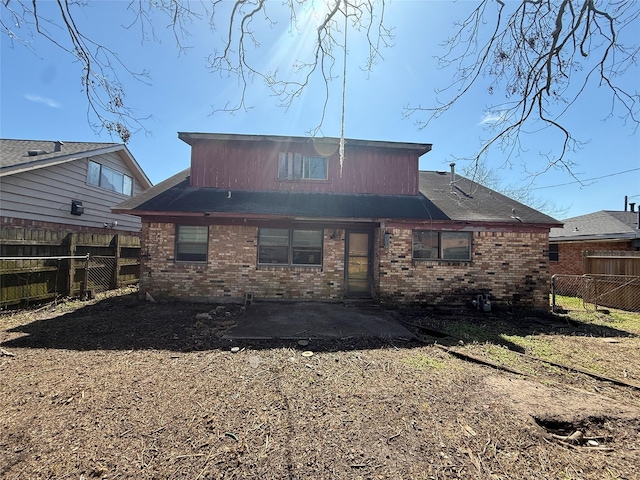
(101, 274)
(590, 292)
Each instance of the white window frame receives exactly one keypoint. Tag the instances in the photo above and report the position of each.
(101, 180)
(294, 166)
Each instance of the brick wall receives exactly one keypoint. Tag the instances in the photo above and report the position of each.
(570, 255)
(231, 270)
(512, 267)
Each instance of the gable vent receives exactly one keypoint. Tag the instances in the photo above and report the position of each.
(34, 153)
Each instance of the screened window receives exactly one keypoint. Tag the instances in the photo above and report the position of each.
(109, 179)
(284, 246)
(554, 254)
(191, 243)
(441, 245)
(296, 167)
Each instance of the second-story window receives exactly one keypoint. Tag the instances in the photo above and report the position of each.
(294, 166)
(109, 179)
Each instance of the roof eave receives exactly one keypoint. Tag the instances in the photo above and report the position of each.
(598, 238)
(38, 163)
(248, 216)
(191, 137)
(133, 165)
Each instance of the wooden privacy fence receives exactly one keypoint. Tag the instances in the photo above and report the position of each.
(612, 262)
(37, 265)
(572, 292)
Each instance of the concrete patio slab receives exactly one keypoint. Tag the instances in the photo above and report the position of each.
(319, 320)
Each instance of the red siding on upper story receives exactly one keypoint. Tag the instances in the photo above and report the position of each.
(254, 166)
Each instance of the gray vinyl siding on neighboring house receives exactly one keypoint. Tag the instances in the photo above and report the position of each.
(45, 194)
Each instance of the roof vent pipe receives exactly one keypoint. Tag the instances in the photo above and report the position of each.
(626, 200)
(453, 175)
(632, 206)
(57, 146)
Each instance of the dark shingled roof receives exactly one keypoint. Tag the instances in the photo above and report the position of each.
(15, 155)
(180, 197)
(16, 152)
(602, 225)
(469, 202)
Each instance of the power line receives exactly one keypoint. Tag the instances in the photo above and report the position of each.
(586, 179)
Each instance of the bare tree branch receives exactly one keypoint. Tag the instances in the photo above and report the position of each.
(540, 56)
(536, 57)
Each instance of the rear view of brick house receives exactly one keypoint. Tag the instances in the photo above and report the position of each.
(283, 218)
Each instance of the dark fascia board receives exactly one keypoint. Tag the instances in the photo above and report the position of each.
(193, 137)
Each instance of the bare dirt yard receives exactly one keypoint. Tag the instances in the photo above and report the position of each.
(120, 388)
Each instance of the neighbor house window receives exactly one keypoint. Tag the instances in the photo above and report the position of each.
(554, 255)
(283, 246)
(191, 243)
(430, 245)
(293, 166)
(109, 179)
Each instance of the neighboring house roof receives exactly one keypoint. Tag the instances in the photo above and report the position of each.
(24, 155)
(435, 202)
(602, 225)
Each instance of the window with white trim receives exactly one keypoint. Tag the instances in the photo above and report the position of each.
(109, 179)
(283, 246)
(294, 166)
(191, 243)
(430, 245)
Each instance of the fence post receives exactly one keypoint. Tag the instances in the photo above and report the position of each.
(72, 263)
(116, 267)
(553, 293)
(85, 283)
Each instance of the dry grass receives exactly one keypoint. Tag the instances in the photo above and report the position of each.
(117, 388)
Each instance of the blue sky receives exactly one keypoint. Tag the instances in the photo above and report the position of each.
(41, 98)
